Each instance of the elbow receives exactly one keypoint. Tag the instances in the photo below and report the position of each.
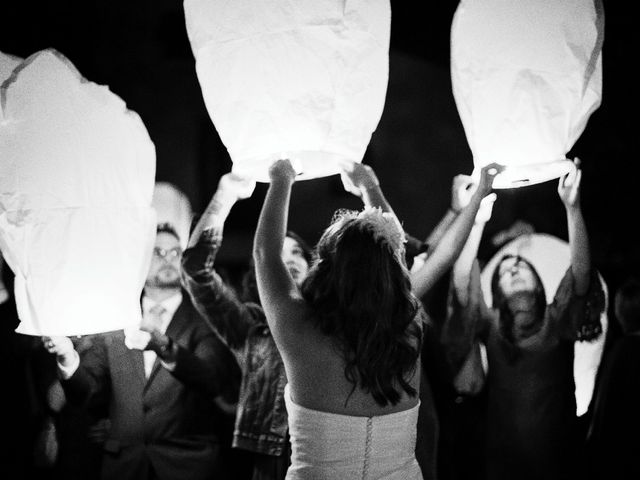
(258, 253)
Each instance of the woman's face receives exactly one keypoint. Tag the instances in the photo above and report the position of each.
(293, 258)
(515, 275)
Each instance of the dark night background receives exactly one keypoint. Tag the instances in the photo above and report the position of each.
(139, 48)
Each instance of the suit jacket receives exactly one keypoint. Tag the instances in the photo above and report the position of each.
(168, 422)
(615, 422)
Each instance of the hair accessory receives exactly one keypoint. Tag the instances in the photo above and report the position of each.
(385, 228)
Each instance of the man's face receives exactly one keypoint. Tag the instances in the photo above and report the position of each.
(165, 262)
(293, 258)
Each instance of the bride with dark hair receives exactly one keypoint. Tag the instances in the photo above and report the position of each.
(350, 339)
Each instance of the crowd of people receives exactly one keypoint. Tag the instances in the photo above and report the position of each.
(370, 355)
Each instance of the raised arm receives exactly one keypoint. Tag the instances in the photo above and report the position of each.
(362, 181)
(445, 253)
(569, 192)
(278, 292)
(216, 301)
(231, 188)
(459, 199)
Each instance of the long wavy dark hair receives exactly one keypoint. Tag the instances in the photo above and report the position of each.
(360, 294)
(501, 303)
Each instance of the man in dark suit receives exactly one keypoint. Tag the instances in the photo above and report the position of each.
(611, 451)
(160, 382)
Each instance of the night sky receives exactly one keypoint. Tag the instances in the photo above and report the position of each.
(141, 51)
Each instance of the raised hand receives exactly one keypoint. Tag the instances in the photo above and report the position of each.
(282, 170)
(487, 175)
(61, 347)
(486, 208)
(569, 186)
(357, 177)
(234, 185)
(462, 188)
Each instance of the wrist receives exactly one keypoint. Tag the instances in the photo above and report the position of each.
(220, 204)
(283, 181)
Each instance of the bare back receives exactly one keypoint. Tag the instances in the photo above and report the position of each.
(315, 369)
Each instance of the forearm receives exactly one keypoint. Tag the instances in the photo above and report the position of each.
(80, 387)
(580, 250)
(216, 302)
(213, 217)
(463, 266)
(459, 331)
(448, 249)
(372, 196)
(272, 223)
(441, 228)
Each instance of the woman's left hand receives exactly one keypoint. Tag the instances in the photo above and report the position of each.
(282, 170)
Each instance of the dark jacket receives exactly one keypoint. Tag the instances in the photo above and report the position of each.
(261, 419)
(168, 422)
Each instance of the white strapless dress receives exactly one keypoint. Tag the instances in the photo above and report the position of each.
(328, 446)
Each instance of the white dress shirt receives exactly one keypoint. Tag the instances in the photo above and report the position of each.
(170, 306)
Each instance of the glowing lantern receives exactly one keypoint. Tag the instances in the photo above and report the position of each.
(298, 79)
(76, 181)
(551, 258)
(526, 76)
(7, 64)
(172, 206)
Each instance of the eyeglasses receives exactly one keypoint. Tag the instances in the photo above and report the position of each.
(167, 254)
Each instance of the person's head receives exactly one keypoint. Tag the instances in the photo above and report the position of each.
(296, 255)
(518, 293)
(360, 293)
(164, 271)
(627, 305)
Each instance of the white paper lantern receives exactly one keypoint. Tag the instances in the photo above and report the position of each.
(551, 258)
(526, 76)
(7, 64)
(298, 79)
(76, 181)
(173, 206)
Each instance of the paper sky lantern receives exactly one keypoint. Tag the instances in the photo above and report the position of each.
(7, 64)
(173, 206)
(76, 182)
(298, 79)
(551, 257)
(526, 76)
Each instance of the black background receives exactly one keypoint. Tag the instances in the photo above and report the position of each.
(141, 51)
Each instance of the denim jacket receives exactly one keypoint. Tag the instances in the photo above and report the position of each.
(261, 418)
